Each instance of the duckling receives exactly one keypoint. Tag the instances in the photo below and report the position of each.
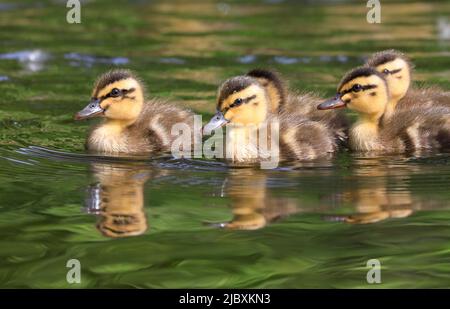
(244, 106)
(303, 104)
(131, 124)
(397, 69)
(365, 91)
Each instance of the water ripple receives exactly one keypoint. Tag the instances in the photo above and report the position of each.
(31, 60)
(76, 59)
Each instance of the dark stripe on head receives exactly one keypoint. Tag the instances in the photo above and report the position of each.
(111, 77)
(247, 100)
(233, 85)
(123, 94)
(362, 88)
(392, 72)
(386, 56)
(272, 77)
(359, 72)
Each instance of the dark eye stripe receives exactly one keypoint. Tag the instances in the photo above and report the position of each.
(363, 88)
(386, 71)
(394, 71)
(124, 92)
(244, 101)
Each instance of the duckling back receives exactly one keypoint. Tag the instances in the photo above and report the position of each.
(305, 105)
(302, 138)
(424, 98)
(418, 129)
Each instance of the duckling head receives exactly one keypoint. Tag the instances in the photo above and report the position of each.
(242, 100)
(363, 90)
(273, 84)
(396, 68)
(117, 95)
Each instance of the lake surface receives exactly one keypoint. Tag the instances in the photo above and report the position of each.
(167, 223)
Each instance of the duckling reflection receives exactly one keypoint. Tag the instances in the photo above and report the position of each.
(383, 193)
(118, 199)
(253, 206)
(373, 199)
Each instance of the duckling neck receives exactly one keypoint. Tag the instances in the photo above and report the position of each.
(242, 142)
(117, 126)
(276, 97)
(364, 135)
(390, 108)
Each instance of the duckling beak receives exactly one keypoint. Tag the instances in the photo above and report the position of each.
(333, 103)
(217, 121)
(93, 109)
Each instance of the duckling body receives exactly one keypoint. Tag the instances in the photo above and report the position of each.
(397, 69)
(151, 132)
(365, 91)
(302, 138)
(244, 106)
(131, 124)
(303, 105)
(299, 139)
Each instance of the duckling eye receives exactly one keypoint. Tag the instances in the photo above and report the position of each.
(115, 92)
(386, 71)
(237, 102)
(356, 88)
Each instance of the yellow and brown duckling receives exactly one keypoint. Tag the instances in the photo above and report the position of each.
(302, 104)
(365, 91)
(244, 106)
(131, 124)
(397, 70)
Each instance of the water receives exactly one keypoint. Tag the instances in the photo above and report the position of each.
(162, 222)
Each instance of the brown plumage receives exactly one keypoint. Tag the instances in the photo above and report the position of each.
(428, 97)
(415, 130)
(303, 105)
(302, 138)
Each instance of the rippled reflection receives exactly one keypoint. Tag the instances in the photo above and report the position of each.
(379, 189)
(376, 189)
(118, 199)
(253, 205)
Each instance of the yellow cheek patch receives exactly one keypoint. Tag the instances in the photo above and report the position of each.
(105, 103)
(228, 115)
(346, 97)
